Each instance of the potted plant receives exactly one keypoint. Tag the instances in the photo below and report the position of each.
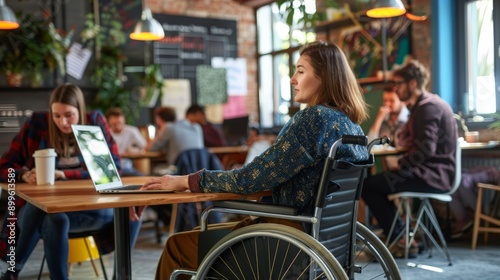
(36, 45)
(153, 85)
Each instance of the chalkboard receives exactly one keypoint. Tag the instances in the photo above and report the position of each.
(191, 41)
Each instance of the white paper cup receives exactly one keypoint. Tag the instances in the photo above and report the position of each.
(45, 166)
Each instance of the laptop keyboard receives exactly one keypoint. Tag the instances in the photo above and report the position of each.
(130, 187)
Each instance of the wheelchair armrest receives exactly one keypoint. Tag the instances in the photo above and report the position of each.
(245, 207)
(251, 206)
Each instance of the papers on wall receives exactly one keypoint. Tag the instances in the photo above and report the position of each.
(235, 107)
(236, 74)
(211, 85)
(177, 94)
(77, 60)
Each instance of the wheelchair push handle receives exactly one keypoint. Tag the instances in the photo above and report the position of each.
(354, 139)
(379, 141)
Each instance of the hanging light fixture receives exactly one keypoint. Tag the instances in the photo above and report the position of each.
(147, 29)
(386, 9)
(7, 17)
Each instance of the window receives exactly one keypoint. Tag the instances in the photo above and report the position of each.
(482, 56)
(277, 47)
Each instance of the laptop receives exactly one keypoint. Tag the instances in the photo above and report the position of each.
(100, 163)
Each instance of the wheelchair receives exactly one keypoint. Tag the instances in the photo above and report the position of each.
(335, 247)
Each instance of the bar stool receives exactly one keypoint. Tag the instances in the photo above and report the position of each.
(488, 218)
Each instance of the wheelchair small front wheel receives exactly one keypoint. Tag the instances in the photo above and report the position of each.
(269, 251)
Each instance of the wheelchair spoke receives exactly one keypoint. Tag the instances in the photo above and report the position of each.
(258, 253)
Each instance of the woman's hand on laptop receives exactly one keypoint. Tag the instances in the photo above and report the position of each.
(167, 182)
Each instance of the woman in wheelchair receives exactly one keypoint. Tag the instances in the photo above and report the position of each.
(292, 166)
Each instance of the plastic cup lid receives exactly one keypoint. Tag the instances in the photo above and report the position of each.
(45, 153)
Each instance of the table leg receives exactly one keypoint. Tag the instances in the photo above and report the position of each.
(123, 263)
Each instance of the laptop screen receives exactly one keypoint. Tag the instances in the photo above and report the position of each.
(97, 157)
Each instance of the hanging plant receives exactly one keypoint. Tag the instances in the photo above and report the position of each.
(108, 77)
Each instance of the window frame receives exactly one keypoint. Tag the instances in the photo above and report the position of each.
(290, 51)
(462, 81)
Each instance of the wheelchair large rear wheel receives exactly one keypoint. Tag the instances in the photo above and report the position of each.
(269, 251)
(372, 259)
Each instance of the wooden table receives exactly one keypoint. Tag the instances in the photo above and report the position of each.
(78, 195)
(142, 161)
(480, 145)
(464, 145)
(229, 155)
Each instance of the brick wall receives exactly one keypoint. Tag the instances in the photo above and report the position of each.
(229, 10)
(421, 38)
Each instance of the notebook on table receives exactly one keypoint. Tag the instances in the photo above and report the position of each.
(100, 163)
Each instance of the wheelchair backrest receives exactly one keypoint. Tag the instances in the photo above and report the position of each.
(336, 205)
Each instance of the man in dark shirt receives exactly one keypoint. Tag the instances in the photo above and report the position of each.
(429, 139)
(212, 136)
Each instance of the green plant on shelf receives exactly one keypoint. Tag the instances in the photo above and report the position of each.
(36, 45)
(496, 124)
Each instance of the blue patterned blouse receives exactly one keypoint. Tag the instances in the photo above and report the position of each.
(292, 167)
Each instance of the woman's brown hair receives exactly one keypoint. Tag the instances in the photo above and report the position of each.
(339, 87)
(70, 95)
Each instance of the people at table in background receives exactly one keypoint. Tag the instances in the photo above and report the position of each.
(391, 118)
(292, 166)
(128, 138)
(43, 130)
(429, 137)
(212, 136)
(174, 137)
(258, 143)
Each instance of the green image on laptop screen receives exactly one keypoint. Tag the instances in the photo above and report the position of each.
(95, 151)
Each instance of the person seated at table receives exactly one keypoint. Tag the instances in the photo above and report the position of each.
(212, 136)
(43, 130)
(258, 143)
(128, 138)
(391, 118)
(292, 166)
(173, 137)
(429, 137)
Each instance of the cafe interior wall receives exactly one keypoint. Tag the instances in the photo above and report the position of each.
(224, 9)
(421, 39)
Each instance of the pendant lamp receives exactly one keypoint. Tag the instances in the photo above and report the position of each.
(147, 29)
(7, 17)
(386, 9)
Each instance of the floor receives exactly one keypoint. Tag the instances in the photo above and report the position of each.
(467, 264)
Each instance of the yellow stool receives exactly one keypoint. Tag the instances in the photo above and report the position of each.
(487, 218)
(82, 250)
(82, 247)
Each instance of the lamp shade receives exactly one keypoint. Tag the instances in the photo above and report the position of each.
(147, 29)
(386, 9)
(7, 17)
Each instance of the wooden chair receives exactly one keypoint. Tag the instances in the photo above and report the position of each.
(492, 223)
